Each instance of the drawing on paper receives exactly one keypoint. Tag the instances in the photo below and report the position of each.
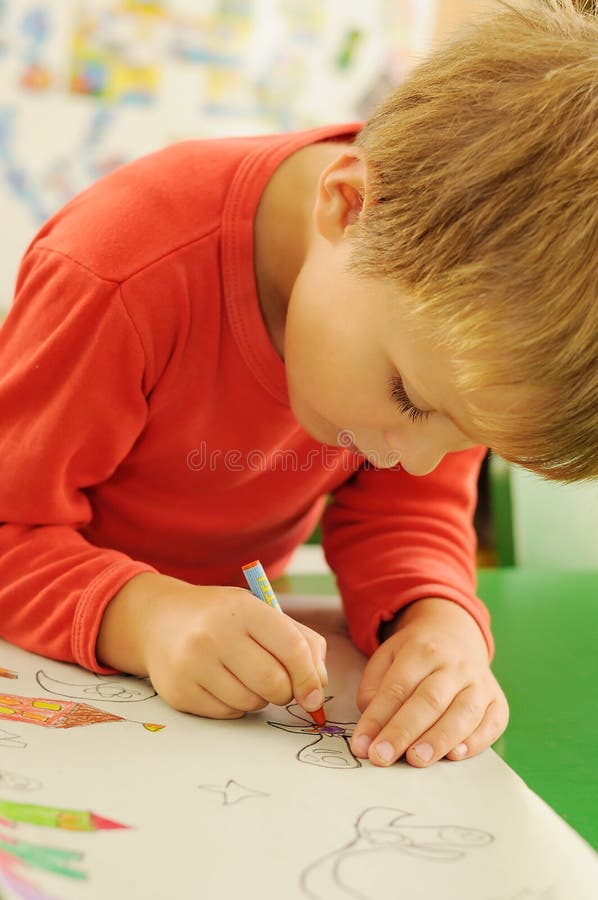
(7, 673)
(100, 687)
(59, 713)
(330, 749)
(11, 741)
(232, 792)
(14, 781)
(383, 829)
(55, 817)
(16, 854)
(19, 885)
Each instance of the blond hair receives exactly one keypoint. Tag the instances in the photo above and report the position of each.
(482, 205)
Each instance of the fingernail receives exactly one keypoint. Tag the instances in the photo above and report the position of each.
(313, 701)
(385, 751)
(361, 745)
(460, 749)
(323, 672)
(424, 751)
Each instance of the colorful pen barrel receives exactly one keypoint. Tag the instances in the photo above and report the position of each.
(259, 585)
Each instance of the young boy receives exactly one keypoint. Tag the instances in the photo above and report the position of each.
(212, 339)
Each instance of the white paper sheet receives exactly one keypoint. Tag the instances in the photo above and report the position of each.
(262, 807)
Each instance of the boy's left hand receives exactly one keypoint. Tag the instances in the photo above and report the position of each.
(428, 690)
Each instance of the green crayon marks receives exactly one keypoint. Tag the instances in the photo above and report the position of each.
(48, 859)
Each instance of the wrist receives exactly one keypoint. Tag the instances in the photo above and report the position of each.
(438, 613)
(121, 637)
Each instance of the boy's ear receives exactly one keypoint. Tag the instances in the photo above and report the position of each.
(340, 196)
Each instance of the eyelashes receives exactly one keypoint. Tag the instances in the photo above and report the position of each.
(399, 396)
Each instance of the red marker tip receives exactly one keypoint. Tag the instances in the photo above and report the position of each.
(319, 716)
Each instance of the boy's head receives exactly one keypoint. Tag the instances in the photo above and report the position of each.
(481, 205)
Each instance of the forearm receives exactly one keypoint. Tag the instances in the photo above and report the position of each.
(54, 586)
(392, 539)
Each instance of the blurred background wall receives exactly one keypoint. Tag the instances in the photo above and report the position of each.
(88, 84)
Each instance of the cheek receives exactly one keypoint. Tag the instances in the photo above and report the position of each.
(332, 370)
(308, 350)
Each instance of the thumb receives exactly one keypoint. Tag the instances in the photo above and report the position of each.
(374, 672)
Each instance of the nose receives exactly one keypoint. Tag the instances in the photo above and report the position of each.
(417, 456)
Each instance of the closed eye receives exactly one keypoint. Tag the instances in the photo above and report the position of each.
(399, 396)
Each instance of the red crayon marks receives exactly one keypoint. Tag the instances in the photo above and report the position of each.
(52, 713)
(7, 673)
(319, 716)
(59, 713)
(99, 822)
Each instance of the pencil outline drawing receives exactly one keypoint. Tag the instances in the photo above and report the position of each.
(101, 688)
(381, 828)
(11, 741)
(15, 781)
(232, 792)
(330, 749)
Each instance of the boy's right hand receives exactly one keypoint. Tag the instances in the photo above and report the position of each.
(211, 651)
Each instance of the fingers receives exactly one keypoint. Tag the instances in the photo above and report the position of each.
(399, 713)
(258, 672)
(301, 655)
(461, 719)
(491, 727)
(382, 692)
(435, 721)
(373, 676)
(317, 645)
(195, 699)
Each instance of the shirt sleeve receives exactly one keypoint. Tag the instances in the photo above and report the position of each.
(392, 538)
(71, 405)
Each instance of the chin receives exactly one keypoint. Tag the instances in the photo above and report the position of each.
(374, 459)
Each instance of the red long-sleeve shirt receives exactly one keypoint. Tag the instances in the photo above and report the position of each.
(145, 424)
